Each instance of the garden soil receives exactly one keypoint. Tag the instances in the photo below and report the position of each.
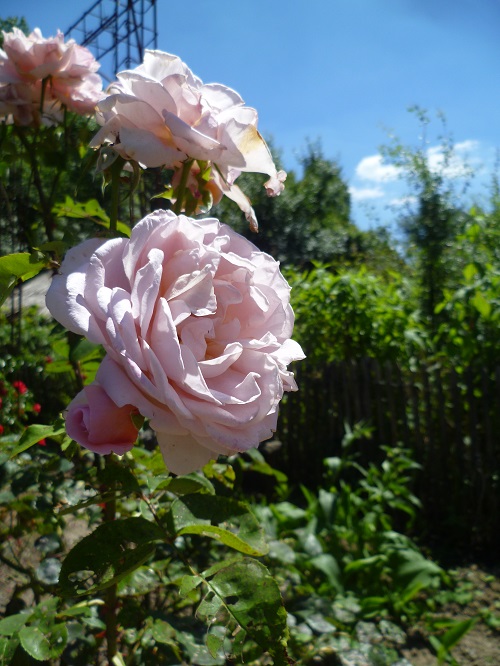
(481, 645)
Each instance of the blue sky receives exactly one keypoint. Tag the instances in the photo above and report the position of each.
(342, 71)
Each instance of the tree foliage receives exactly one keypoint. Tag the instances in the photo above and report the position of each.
(311, 220)
(431, 224)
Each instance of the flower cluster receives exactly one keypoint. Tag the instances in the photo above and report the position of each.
(17, 406)
(39, 76)
(162, 115)
(196, 323)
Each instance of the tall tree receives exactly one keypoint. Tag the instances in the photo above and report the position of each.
(310, 221)
(433, 219)
(6, 25)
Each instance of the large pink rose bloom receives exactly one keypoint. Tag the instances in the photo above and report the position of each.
(69, 69)
(161, 114)
(196, 323)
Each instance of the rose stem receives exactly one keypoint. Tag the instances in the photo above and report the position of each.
(179, 194)
(46, 204)
(111, 593)
(116, 169)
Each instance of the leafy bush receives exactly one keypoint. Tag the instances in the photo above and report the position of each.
(353, 313)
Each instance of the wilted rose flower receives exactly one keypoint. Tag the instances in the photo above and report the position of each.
(161, 114)
(196, 323)
(68, 69)
(94, 420)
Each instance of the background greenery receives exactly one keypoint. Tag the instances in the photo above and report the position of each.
(178, 560)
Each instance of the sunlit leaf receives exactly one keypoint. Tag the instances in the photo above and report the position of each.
(214, 643)
(454, 635)
(188, 584)
(13, 623)
(251, 596)
(44, 645)
(90, 210)
(15, 267)
(221, 518)
(33, 434)
(482, 305)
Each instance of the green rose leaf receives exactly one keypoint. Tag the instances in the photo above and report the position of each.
(44, 645)
(11, 624)
(215, 644)
(106, 556)
(8, 647)
(220, 518)
(33, 434)
(90, 210)
(18, 266)
(251, 596)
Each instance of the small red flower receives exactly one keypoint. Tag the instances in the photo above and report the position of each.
(20, 386)
(48, 359)
(42, 442)
(37, 408)
(1, 429)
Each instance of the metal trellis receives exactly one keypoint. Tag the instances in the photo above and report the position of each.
(117, 32)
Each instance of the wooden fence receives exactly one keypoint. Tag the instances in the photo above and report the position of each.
(450, 421)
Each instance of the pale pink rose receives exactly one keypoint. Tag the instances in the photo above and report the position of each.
(69, 71)
(161, 114)
(96, 422)
(20, 103)
(196, 323)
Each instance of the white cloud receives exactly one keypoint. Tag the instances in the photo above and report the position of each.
(362, 193)
(451, 166)
(456, 165)
(373, 169)
(403, 201)
(468, 145)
